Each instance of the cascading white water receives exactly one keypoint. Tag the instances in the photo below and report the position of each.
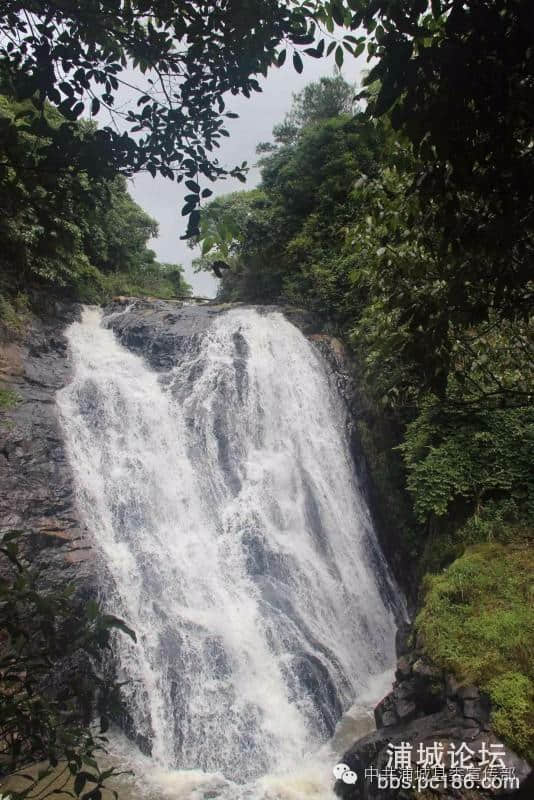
(235, 541)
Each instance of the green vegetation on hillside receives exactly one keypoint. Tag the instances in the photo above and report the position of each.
(8, 399)
(66, 230)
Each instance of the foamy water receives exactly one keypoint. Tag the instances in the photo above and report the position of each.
(237, 544)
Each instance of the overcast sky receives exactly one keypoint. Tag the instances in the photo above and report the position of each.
(163, 199)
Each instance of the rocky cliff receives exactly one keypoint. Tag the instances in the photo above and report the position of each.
(36, 488)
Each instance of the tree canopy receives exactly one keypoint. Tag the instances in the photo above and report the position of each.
(457, 80)
(456, 77)
(77, 57)
(70, 230)
(326, 98)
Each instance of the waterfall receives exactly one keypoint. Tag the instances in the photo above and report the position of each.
(233, 538)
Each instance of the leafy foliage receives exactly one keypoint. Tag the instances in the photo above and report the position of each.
(288, 229)
(14, 313)
(42, 717)
(469, 58)
(66, 228)
(474, 454)
(319, 101)
(76, 56)
(457, 80)
(327, 98)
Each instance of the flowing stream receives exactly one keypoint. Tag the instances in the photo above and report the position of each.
(235, 540)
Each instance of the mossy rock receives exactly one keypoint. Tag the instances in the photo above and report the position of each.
(477, 621)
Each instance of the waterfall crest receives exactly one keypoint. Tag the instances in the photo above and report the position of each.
(235, 541)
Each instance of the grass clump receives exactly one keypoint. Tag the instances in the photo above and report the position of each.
(8, 399)
(14, 312)
(478, 622)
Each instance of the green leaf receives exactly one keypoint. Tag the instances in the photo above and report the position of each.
(79, 782)
(193, 223)
(436, 8)
(331, 47)
(337, 11)
(297, 62)
(207, 245)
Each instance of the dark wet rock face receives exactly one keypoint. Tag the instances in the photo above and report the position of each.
(159, 330)
(428, 706)
(36, 487)
(37, 493)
